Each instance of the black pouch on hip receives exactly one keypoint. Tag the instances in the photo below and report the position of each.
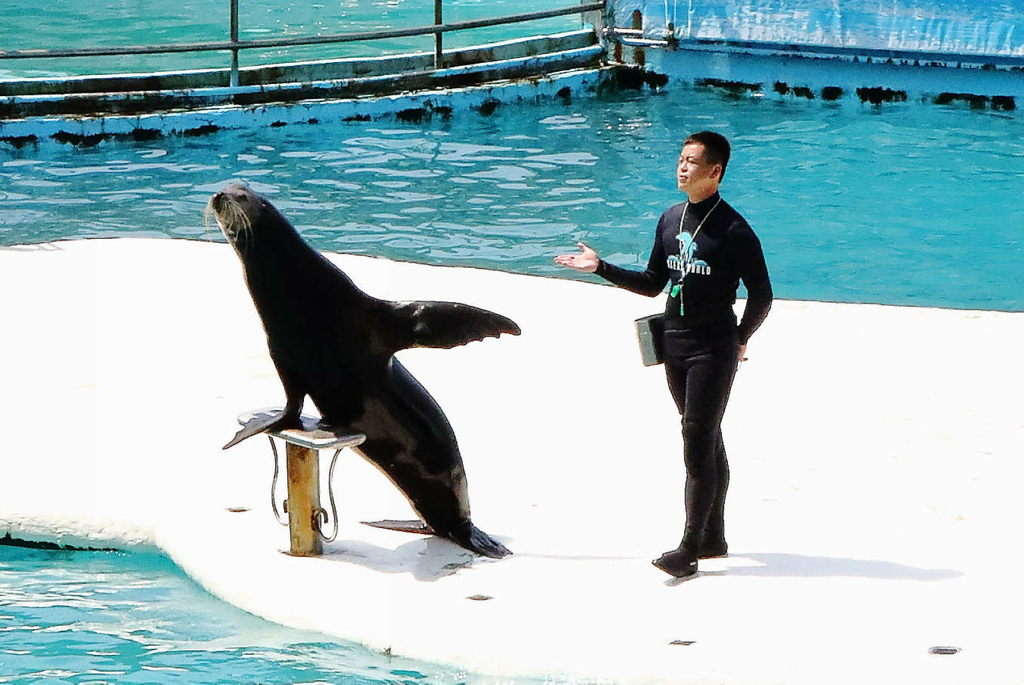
(650, 330)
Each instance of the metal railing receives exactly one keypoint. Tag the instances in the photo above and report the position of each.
(235, 45)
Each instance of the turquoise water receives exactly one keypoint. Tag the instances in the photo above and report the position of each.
(905, 204)
(58, 24)
(111, 617)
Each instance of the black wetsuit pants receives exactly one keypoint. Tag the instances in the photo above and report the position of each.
(700, 370)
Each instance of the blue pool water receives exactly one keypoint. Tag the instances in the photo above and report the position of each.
(56, 24)
(111, 617)
(905, 204)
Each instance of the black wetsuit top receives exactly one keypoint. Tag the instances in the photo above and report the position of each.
(726, 252)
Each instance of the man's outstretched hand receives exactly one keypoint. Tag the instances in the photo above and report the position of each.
(586, 261)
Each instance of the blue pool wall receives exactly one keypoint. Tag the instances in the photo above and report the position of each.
(957, 27)
(839, 80)
(938, 52)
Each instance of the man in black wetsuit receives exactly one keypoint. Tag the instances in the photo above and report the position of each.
(703, 248)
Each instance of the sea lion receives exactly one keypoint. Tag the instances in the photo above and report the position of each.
(333, 342)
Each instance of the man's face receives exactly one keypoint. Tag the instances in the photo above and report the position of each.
(694, 175)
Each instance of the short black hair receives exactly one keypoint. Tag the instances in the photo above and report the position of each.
(716, 148)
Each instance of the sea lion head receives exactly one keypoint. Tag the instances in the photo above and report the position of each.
(241, 212)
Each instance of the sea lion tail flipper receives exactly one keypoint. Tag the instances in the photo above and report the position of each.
(448, 324)
(479, 542)
(262, 423)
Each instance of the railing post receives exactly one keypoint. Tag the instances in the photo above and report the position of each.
(597, 18)
(234, 39)
(437, 36)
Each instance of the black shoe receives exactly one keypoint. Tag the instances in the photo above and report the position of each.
(713, 550)
(679, 563)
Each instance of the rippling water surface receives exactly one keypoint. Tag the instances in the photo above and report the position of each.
(110, 617)
(904, 204)
(58, 24)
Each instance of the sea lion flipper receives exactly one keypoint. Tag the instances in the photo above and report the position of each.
(468, 537)
(475, 540)
(416, 526)
(446, 324)
(263, 423)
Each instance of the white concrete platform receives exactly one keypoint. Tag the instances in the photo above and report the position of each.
(876, 457)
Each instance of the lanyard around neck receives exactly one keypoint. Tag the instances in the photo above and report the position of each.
(682, 218)
(684, 260)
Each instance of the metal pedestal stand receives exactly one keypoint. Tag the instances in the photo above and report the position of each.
(302, 463)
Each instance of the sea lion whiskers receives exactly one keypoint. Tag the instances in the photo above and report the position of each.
(231, 217)
(210, 218)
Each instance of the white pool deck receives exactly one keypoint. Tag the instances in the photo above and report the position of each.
(877, 457)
